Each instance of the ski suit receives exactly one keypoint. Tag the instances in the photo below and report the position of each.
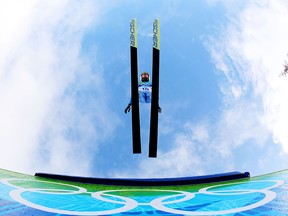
(145, 90)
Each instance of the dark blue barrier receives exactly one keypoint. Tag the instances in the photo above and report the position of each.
(150, 181)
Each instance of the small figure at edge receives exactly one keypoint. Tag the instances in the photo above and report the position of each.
(285, 71)
(145, 90)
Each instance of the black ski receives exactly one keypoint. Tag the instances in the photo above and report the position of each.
(136, 137)
(153, 139)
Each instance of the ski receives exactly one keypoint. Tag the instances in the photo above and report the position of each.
(136, 137)
(153, 138)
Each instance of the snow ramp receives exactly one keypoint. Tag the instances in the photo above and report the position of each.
(232, 193)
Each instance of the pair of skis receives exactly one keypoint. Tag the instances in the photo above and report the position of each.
(136, 137)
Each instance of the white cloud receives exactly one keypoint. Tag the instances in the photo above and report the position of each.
(192, 152)
(251, 53)
(180, 159)
(41, 73)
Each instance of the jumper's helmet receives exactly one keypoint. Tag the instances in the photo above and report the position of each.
(145, 77)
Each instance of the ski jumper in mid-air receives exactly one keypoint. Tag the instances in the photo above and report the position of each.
(145, 90)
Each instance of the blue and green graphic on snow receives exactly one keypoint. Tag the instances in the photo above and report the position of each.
(33, 195)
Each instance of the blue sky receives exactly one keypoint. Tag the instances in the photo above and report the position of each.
(65, 81)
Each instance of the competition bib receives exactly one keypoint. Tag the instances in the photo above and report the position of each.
(145, 87)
